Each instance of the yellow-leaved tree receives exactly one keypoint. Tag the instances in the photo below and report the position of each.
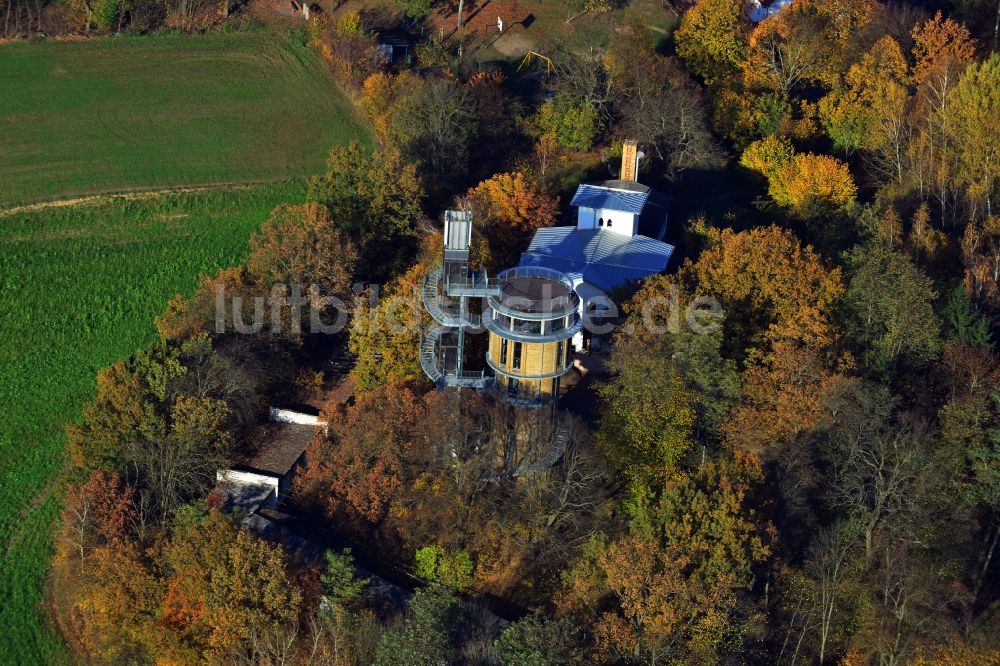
(868, 112)
(712, 39)
(507, 209)
(385, 332)
(800, 181)
(974, 126)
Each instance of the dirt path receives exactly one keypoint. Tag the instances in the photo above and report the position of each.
(137, 193)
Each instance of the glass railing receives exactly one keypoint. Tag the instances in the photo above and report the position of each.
(535, 271)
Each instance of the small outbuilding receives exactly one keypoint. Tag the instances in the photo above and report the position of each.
(265, 479)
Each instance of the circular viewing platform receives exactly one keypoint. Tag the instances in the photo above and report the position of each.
(533, 292)
(533, 304)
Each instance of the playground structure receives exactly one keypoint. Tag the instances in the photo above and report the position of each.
(549, 65)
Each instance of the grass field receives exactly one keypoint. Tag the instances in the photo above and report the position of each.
(124, 113)
(80, 286)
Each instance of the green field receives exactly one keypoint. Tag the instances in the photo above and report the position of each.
(80, 286)
(125, 113)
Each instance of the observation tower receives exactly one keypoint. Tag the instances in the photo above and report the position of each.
(530, 312)
(531, 317)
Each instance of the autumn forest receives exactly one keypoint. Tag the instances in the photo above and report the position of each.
(813, 480)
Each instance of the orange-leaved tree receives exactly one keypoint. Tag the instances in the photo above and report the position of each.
(507, 209)
(771, 287)
(96, 512)
(118, 601)
(301, 245)
(942, 48)
(186, 318)
(782, 398)
(355, 471)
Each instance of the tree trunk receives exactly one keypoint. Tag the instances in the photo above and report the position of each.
(986, 563)
(996, 29)
(461, 6)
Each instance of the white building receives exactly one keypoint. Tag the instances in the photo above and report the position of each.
(617, 239)
(757, 11)
(614, 205)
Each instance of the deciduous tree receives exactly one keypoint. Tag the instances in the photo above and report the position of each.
(439, 121)
(802, 181)
(427, 635)
(226, 585)
(890, 312)
(781, 55)
(538, 641)
(942, 48)
(812, 180)
(97, 512)
(712, 39)
(300, 245)
(781, 289)
(375, 200)
(383, 97)
(869, 111)
(648, 423)
(972, 125)
(385, 335)
(981, 256)
(675, 578)
(358, 468)
(879, 465)
(654, 329)
(507, 209)
(664, 109)
(782, 399)
(119, 600)
(572, 123)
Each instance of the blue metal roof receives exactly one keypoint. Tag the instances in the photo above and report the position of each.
(597, 196)
(603, 258)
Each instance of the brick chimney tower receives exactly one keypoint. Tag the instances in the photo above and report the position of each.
(630, 160)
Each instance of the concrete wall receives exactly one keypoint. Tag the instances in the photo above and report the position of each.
(279, 415)
(241, 478)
